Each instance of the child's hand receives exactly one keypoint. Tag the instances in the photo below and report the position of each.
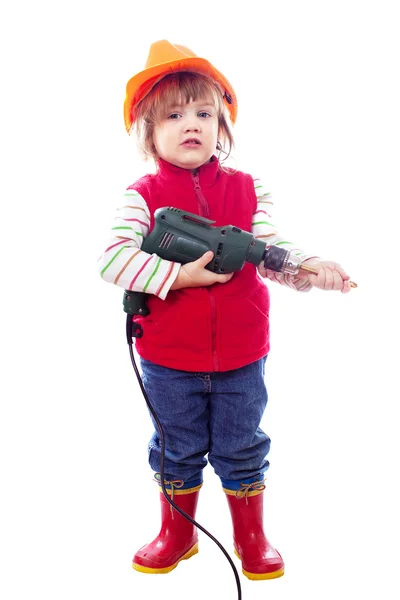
(194, 274)
(331, 276)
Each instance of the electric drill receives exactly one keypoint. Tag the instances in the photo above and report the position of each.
(183, 237)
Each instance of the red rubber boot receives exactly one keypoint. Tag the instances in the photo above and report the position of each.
(259, 559)
(177, 539)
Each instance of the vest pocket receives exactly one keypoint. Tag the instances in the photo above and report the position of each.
(244, 326)
(181, 328)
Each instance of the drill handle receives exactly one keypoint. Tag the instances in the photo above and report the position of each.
(135, 303)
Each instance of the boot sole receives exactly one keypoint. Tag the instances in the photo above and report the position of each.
(259, 576)
(193, 550)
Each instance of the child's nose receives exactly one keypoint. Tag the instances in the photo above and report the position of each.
(192, 124)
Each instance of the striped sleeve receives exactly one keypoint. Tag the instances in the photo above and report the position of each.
(123, 263)
(264, 228)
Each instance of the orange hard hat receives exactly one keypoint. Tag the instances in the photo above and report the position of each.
(166, 58)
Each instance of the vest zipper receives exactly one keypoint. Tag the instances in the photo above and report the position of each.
(202, 202)
(204, 212)
(213, 328)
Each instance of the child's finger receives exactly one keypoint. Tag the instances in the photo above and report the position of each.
(346, 287)
(342, 272)
(205, 259)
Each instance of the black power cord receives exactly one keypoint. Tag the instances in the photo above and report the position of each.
(129, 335)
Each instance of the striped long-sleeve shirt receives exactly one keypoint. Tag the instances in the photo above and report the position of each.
(123, 263)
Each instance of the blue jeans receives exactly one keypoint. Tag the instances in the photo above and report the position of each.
(214, 415)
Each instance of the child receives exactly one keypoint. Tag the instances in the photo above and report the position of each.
(206, 339)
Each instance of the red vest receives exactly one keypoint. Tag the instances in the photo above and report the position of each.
(216, 328)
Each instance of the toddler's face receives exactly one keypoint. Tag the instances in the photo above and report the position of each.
(188, 133)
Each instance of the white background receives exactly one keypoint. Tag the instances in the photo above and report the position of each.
(318, 121)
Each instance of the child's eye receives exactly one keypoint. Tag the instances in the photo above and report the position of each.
(203, 114)
(173, 116)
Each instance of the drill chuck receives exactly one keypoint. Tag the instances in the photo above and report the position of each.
(275, 258)
(281, 260)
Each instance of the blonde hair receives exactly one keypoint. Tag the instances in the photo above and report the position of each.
(182, 86)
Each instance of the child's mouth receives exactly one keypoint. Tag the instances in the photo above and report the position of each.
(191, 143)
